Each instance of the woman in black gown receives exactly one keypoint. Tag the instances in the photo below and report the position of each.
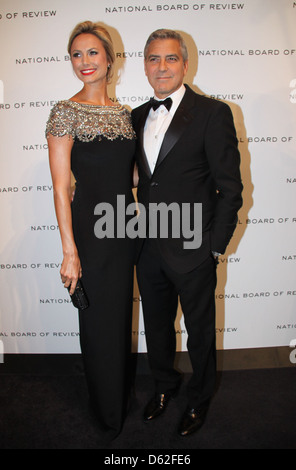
(94, 139)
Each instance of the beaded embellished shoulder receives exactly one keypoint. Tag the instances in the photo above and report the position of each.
(86, 122)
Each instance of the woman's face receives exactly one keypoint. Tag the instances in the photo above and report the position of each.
(89, 58)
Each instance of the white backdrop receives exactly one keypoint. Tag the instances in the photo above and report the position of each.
(243, 53)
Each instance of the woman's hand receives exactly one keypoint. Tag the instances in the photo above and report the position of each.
(71, 271)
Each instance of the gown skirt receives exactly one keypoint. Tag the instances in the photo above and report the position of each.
(103, 172)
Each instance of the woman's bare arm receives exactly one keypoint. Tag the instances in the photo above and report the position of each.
(136, 176)
(60, 167)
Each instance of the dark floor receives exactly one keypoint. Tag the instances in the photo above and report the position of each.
(43, 405)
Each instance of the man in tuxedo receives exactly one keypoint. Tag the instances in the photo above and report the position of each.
(187, 154)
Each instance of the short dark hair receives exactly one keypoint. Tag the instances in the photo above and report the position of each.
(167, 34)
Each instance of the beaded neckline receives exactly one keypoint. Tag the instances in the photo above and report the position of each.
(116, 106)
(87, 122)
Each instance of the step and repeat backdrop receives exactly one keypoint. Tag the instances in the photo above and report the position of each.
(241, 52)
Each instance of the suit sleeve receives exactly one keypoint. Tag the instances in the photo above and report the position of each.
(133, 115)
(221, 146)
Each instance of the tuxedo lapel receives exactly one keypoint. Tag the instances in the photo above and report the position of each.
(180, 122)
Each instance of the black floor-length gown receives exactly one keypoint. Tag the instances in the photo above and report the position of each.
(102, 163)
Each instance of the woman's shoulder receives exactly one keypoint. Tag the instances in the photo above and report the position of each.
(61, 119)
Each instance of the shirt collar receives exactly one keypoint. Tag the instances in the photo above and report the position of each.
(177, 97)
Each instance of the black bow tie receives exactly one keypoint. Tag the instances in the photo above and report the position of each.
(155, 104)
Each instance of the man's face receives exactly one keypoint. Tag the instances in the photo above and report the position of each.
(165, 67)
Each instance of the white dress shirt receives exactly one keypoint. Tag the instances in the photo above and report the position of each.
(157, 125)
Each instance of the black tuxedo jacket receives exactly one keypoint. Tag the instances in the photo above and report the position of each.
(199, 162)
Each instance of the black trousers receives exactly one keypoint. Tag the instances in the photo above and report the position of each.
(160, 287)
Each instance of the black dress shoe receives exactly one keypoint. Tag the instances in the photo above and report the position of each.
(157, 406)
(192, 421)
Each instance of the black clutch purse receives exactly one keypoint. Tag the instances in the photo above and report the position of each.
(79, 298)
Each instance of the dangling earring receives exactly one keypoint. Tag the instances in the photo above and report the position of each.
(108, 72)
